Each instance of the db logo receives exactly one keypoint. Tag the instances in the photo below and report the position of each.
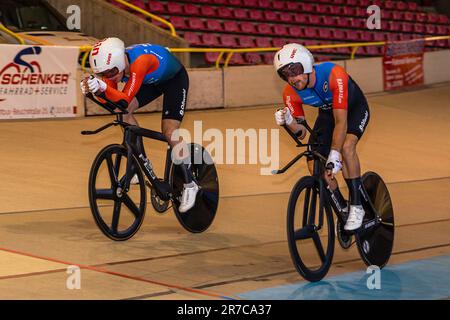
(96, 47)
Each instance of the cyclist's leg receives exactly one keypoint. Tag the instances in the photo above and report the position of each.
(174, 104)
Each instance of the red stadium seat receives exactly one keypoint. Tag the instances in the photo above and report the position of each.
(352, 35)
(311, 33)
(208, 11)
(220, 2)
(390, 5)
(407, 27)
(443, 18)
(256, 15)
(364, 3)
(338, 34)
(365, 36)
(441, 30)
(430, 29)
(360, 12)
(228, 40)
(300, 18)
(248, 27)
(210, 40)
(237, 59)
(265, 4)
(225, 13)
(178, 22)
(237, 3)
(325, 33)
(278, 5)
(297, 32)
(344, 22)
(397, 15)
(191, 10)
(246, 41)
(378, 36)
(280, 30)
(409, 16)
(270, 16)
(174, 8)
(322, 9)
(139, 4)
(419, 28)
(252, 58)
(264, 29)
(315, 20)
(357, 23)
(279, 42)
(196, 24)
(268, 58)
(394, 25)
(421, 17)
(263, 42)
(412, 6)
(348, 11)
(231, 26)
(292, 6)
(286, 17)
(308, 7)
(401, 5)
(211, 57)
(250, 3)
(337, 10)
(433, 17)
(192, 38)
(352, 3)
(330, 21)
(240, 14)
(156, 7)
(214, 25)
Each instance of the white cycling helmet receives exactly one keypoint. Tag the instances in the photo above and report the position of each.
(290, 54)
(107, 54)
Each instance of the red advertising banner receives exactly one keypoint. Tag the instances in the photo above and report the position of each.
(403, 64)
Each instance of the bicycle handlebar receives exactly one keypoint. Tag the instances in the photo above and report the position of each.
(110, 106)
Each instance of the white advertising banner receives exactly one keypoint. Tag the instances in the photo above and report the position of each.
(38, 81)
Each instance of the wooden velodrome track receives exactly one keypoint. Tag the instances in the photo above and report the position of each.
(46, 224)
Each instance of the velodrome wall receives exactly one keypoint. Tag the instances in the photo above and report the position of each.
(259, 85)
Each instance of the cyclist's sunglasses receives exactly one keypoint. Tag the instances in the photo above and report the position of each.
(109, 73)
(291, 70)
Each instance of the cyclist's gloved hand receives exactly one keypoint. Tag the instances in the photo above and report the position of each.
(83, 87)
(283, 116)
(334, 161)
(96, 85)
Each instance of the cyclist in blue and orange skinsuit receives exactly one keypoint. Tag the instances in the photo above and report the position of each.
(342, 120)
(149, 71)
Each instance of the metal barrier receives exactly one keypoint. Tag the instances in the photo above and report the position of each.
(11, 33)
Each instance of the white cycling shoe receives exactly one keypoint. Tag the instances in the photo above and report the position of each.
(135, 179)
(355, 218)
(188, 197)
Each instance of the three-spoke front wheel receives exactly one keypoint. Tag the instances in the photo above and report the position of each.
(310, 229)
(118, 212)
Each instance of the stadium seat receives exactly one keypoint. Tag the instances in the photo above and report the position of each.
(210, 40)
(348, 11)
(191, 10)
(268, 58)
(246, 41)
(338, 34)
(280, 30)
(421, 17)
(311, 33)
(248, 27)
(228, 40)
(344, 22)
(292, 6)
(286, 17)
(394, 25)
(225, 13)
(237, 3)
(336, 10)
(324, 33)
(264, 29)
(278, 5)
(211, 57)
(240, 14)
(316, 20)
(364, 36)
(250, 3)
(252, 58)
(409, 16)
(219, 2)
(352, 3)
(397, 15)
(237, 59)
(196, 24)
(214, 25)
(296, 31)
(279, 42)
(300, 18)
(322, 9)
(406, 27)
(208, 11)
(264, 4)
(178, 22)
(352, 35)
(390, 5)
(441, 30)
(174, 8)
(378, 36)
(156, 7)
(419, 28)
(270, 16)
(231, 26)
(138, 4)
(443, 18)
(263, 42)
(432, 18)
(308, 7)
(412, 6)
(401, 5)
(256, 15)
(192, 38)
